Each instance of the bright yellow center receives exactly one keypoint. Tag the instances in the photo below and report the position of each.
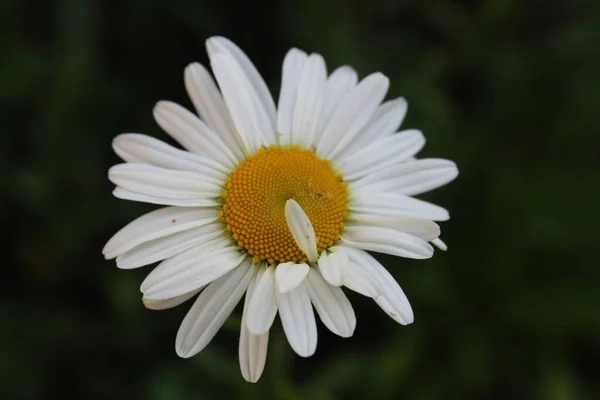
(255, 196)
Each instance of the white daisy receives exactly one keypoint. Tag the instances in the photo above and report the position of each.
(280, 203)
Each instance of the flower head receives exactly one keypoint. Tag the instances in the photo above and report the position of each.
(277, 203)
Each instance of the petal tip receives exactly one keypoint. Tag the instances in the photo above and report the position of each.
(305, 353)
(289, 276)
(216, 44)
(192, 66)
(183, 353)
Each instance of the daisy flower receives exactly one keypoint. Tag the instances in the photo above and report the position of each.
(280, 203)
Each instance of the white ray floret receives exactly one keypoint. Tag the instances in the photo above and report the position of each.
(331, 304)
(289, 275)
(301, 229)
(298, 320)
(293, 65)
(262, 304)
(211, 309)
(252, 348)
(333, 267)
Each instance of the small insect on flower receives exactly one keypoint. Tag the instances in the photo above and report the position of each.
(278, 203)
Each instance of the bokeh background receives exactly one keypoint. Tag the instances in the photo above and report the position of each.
(508, 89)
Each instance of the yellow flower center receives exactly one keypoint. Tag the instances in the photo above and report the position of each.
(255, 196)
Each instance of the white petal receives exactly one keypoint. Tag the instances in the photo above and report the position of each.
(390, 204)
(156, 224)
(210, 105)
(293, 64)
(252, 348)
(354, 112)
(189, 270)
(192, 133)
(392, 300)
(160, 182)
(289, 275)
(165, 247)
(309, 101)
(298, 320)
(136, 148)
(301, 228)
(419, 227)
(250, 123)
(389, 241)
(361, 280)
(210, 311)
(385, 121)
(125, 194)
(382, 153)
(392, 311)
(439, 244)
(332, 266)
(340, 82)
(410, 178)
(331, 304)
(262, 306)
(169, 303)
(221, 44)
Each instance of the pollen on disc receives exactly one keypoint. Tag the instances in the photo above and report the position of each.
(257, 190)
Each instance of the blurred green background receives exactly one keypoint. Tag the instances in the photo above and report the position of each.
(508, 89)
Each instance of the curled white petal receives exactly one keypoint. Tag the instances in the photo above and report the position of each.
(302, 230)
(333, 266)
(290, 275)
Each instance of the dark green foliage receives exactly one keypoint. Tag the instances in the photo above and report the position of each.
(508, 89)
